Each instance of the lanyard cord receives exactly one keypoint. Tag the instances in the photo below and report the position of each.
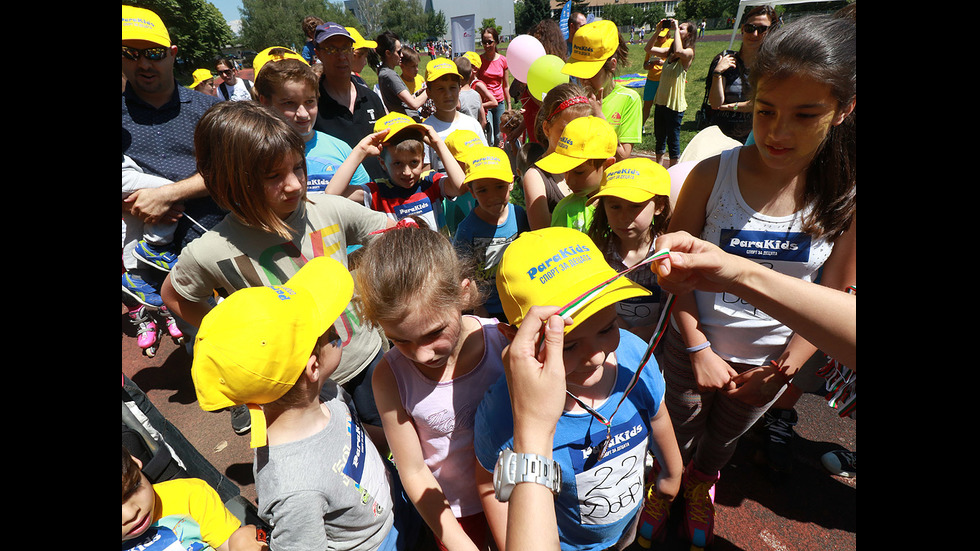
(658, 333)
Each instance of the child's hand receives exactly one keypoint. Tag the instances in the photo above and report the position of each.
(667, 486)
(431, 137)
(758, 386)
(711, 371)
(371, 145)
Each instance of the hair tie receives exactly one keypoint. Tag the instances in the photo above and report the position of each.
(403, 223)
(566, 104)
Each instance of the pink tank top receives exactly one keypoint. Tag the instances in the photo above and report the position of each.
(443, 414)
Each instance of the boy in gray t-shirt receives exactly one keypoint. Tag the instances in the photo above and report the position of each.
(320, 480)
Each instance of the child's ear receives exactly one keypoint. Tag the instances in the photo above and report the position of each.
(312, 370)
(608, 163)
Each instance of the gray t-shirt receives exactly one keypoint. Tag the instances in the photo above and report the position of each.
(390, 85)
(327, 491)
(470, 102)
(233, 256)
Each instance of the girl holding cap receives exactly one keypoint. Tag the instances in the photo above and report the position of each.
(597, 51)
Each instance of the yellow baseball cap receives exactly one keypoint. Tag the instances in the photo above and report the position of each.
(143, 24)
(592, 45)
(463, 142)
(488, 162)
(253, 346)
(475, 59)
(360, 41)
(583, 138)
(396, 122)
(200, 75)
(559, 266)
(267, 55)
(636, 180)
(440, 67)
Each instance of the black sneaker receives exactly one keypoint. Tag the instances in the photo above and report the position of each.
(779, 425)
(840, 463)
(241, 419)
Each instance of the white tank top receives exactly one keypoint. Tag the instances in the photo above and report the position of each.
(738, 331)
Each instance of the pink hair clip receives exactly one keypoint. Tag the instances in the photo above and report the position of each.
(403, 223)
(566, 104)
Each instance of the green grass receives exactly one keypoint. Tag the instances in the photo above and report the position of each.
(705, 51)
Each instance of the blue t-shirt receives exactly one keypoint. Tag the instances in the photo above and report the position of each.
(324, 155)
(600, 496)
(486, 242)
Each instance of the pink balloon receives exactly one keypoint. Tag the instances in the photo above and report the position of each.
(521, 52)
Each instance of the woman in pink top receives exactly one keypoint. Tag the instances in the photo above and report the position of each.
(493, 72)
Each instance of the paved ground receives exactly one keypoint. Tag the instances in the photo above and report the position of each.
(808, 510)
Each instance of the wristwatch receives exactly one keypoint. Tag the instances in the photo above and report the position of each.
(513, 468)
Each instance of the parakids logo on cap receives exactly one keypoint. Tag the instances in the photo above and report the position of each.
(562, 260)
(565, 143)
(138, 22)
(283, 292)
(484, 161)
(581, 49)
(623, 174)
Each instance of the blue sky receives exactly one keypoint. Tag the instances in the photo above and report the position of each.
(228, 8)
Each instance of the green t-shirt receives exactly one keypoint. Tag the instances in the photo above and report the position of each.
(623, 109)
(572, 212)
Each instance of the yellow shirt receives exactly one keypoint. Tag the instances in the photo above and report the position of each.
(654, 72)
(194, 511)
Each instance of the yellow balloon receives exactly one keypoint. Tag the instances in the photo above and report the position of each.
(544, 74)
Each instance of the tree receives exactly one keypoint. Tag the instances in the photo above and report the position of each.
(196, 27)
(528, 13)
(268, 23)
(488, 23)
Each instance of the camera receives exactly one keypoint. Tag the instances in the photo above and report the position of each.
(729, 52)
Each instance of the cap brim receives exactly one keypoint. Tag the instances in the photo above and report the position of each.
(582, 69)
(620, 289)
(394, 130)
(631, 194)
(556, 163)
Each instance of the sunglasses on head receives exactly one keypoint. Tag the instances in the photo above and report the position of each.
(749, 28)
(154, 54)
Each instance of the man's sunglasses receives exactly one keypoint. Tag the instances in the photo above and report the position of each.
(749, 28)
(154, 54)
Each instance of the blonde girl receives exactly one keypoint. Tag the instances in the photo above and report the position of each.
(414, 286)
(633, 209)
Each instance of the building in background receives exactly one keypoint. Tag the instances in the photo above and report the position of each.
(501, 11)
(594, 7)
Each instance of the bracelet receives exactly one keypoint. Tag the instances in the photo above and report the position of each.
(701, 346)
(717, 74)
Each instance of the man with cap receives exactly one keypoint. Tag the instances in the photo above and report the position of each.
(158, 120)
(347, 110)
(321, 482)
